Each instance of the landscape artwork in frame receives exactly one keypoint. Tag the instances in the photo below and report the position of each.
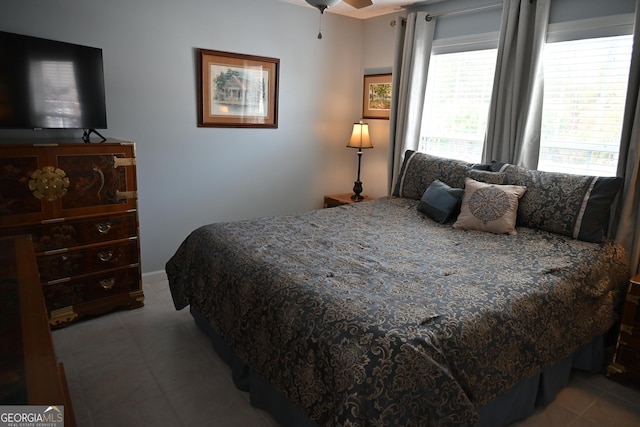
(376, 103)
(237, 90)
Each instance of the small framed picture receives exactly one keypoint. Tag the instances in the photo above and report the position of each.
(376, 94)
(237, 90)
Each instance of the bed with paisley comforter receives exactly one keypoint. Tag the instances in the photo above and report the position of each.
(376, 314)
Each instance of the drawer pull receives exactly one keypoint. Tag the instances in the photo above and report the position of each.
(104, 227)
(105, 256)
(616, 368)
(626, 329)
(108, 283)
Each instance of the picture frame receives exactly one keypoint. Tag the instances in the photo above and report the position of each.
(237, 90)
(376, 96)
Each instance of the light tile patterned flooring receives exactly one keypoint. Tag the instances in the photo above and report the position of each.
(153, 367)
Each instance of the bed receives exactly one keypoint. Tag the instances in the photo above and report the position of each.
(399, 311)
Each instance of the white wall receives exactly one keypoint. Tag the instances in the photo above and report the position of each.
(190, 176)
(377, 58)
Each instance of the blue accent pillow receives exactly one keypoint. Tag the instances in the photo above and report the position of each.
(440, 201)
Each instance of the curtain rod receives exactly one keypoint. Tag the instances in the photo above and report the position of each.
(469, 9)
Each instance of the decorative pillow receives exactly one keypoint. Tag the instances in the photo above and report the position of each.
(481, 166)
(440, 201)
(489, 207)
(421, 169)
(577, 206)
(487, 176)
(496, 166)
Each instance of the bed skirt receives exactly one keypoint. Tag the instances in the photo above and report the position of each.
(517, 403)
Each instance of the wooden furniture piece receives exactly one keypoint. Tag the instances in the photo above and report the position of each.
(333, 200)
(625, 367)
(30, 373)
(79, 204)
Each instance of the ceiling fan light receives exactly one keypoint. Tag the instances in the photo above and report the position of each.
(322, 4)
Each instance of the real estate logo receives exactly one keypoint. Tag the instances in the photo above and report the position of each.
(31, 416)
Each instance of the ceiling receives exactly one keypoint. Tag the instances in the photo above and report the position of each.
(379, 7)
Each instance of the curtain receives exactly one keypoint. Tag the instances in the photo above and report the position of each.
(413, 51)
(626, 221)
(515, 111)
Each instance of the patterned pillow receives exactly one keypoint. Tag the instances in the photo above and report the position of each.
(489, 207)
(419, 170)
(577, 206)
(440, 202)
(486, 176)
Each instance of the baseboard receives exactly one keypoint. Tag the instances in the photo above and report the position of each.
(154, 276)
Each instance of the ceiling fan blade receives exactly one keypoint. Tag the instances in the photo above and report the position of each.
(358, 4)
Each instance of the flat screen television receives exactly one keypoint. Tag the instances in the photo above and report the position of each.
(47, 84)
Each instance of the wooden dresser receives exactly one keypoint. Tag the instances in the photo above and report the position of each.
(29, 372)
(626, 361)
(79, 204)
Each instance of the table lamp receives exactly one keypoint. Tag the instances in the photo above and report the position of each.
(360, 140)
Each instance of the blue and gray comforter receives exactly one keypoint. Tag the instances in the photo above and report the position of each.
(373, 314)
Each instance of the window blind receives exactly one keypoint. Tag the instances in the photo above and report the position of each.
(584, 97)
(456, 104)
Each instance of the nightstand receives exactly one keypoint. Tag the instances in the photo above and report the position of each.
(333, 200)
(625, 367)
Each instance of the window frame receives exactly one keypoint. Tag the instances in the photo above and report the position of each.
(584, 29)
(602, 26)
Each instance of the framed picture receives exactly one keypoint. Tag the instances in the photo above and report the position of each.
(376, 102)
(236, 90)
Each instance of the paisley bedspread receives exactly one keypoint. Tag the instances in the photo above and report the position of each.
(373, 314)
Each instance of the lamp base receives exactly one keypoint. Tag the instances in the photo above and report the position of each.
(357, 189)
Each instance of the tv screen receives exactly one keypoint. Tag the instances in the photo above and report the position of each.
(47, 84)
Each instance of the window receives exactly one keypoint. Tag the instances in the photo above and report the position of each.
(586, 67)
(584, 97)
(456, 106)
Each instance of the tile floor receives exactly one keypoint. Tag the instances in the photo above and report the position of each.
(153, 367)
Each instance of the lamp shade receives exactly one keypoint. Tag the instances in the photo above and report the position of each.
(360, 136)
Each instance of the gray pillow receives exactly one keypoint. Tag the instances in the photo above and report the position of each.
(577, 206)
(486, 176)
(421, 169)
(440, 202)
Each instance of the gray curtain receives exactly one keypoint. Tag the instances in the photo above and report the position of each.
(515, 111)
(414, 40)
(626, 221)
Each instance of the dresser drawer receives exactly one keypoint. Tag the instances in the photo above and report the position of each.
(93, 287)
(629, 358)
(626, 365)
(75, 263)
(67, 234)
(631, 313)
